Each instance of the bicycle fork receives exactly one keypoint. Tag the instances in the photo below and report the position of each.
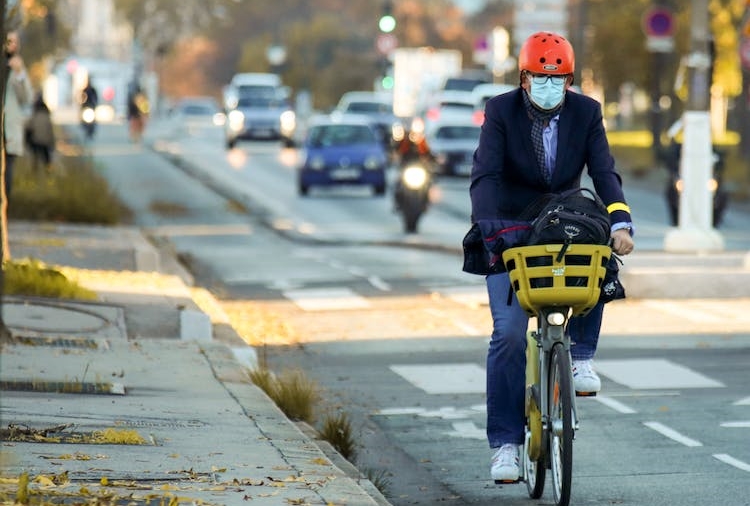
(540, 354)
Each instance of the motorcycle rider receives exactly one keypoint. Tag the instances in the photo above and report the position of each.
(413, 146)
(411, 149)
(89, 100)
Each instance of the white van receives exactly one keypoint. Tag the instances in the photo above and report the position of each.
(258, 107)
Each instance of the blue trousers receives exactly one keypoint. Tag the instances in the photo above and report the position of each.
(506, 358)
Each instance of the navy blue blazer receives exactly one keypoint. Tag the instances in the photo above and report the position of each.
(506, 176)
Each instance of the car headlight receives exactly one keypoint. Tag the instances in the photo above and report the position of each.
(373, 162)
(236, 120)
(219, 119)
(288, 122)
(398, 132)
(316, 163)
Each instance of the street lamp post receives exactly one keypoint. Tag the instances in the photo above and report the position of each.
(695, 231)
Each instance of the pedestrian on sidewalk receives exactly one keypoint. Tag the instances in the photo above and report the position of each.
(18, 97)
(41, 135)
(536, 140)
(138, 111)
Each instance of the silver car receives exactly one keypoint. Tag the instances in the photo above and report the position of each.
(259, 112)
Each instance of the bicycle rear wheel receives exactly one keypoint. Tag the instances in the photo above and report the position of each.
(560, 425)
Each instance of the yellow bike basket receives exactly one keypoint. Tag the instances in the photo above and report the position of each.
(542, 278)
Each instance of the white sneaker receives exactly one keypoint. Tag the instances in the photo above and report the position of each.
(504, 466)
(585, 380)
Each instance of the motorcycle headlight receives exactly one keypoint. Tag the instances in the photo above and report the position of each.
(316, 163)
(372, 162)
(236, 120)
(88, 115)
(288, 122)
(414, 177)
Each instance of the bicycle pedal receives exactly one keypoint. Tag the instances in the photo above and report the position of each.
(508, 482)
(585, 394)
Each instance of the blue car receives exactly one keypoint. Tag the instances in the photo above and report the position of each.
(342, 150)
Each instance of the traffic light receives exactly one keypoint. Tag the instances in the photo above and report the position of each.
(387, 22)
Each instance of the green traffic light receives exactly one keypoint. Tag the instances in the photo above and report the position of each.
(387, 23)
(387, 82)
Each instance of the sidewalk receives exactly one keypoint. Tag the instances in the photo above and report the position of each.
(147, 368)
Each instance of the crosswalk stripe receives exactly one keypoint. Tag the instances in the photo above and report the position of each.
(326, 299)
(457, 378)
(643, 374)
(653, 373)
(467, 430)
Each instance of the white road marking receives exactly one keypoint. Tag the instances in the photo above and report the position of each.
(471, 296)
(672, 434)
(616, 405)
(743, 402)
(467, 430)
(201, 230)
(325, 299)
(378, 283)
(446, 412)
(736, 425)
(400, 411)
(686, 310)
(728, 459)
(466, 328)
(653, 373)
(458, 378)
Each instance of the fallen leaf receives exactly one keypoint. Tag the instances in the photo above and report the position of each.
(44, 481)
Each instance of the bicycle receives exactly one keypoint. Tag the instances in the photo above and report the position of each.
(552, 282)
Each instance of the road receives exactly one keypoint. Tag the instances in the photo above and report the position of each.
(395, 333)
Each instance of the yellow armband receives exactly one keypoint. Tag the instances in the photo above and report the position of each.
(618, 206)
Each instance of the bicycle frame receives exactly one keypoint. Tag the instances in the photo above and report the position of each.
(548, 442)
(553, 284)
(546, 337)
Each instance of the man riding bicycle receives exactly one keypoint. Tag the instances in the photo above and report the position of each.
(536, 140)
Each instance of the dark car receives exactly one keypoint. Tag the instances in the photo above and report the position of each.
(342, 149)
(377, 107)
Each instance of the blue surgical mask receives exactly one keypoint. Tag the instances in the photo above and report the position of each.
(547, 92)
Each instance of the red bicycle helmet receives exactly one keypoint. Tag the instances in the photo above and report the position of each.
(547, 53)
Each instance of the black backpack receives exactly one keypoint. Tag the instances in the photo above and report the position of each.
(576, 216)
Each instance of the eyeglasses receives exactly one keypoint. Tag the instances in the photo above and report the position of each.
(543, 78)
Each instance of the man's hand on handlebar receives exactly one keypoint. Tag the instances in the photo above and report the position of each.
(622, 243)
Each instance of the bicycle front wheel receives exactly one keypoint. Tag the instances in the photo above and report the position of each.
(560, 425)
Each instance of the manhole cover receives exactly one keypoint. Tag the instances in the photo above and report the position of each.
(42, 317)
